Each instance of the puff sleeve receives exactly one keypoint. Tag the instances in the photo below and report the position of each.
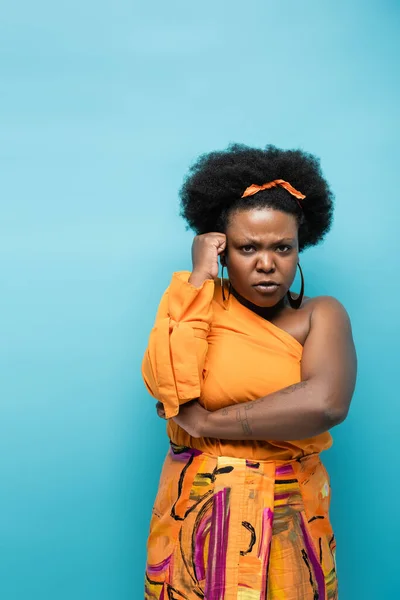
(172, 366)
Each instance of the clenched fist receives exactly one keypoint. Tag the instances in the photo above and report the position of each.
(205, 251)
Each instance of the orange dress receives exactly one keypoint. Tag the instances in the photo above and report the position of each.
(232, 519)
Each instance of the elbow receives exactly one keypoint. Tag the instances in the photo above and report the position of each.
(151, 390)
(333, 403)
(148, 377)
(334, 414)
(331, 406)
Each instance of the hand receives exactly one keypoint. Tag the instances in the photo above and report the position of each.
(205, 251)
(160, 410)
(192, 417)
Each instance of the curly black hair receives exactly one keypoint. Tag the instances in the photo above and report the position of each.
(212, 190)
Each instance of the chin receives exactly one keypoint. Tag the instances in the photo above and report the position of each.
(266, 301)
(270, 303)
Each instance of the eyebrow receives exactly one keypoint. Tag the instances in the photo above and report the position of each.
(250, 240)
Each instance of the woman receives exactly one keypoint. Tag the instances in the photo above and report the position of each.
(250, 378)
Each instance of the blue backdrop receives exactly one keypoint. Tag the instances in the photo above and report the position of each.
(103, 105)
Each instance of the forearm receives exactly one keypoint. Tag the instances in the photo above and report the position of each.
(295, 412)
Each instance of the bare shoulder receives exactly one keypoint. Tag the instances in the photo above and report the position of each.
(320, 315)
(325, 303)
(327, 309)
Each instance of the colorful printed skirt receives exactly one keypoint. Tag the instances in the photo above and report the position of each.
(225, 528)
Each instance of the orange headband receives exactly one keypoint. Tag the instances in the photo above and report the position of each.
(253, 189)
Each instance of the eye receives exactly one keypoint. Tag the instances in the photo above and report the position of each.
(247, 248)
(284, 248)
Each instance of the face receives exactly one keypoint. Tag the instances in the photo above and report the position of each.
(262, 246)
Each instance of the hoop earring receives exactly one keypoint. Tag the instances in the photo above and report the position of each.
(224, 298)
(297, 303)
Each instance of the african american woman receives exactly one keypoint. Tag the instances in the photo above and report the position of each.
(250, 378)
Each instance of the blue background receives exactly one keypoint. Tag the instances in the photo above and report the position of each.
(103, 105)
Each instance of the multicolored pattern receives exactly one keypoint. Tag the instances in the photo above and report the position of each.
(231, 529)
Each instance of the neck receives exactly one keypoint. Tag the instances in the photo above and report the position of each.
(267, 312)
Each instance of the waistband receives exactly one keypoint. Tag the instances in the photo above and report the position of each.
(188, 451)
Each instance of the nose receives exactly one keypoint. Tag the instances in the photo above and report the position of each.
(265, 262)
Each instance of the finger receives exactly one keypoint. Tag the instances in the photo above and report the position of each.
(222, 245)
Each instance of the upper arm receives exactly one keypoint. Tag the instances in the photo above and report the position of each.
(329, 356)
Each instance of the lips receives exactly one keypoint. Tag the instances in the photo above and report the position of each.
(266, 287)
